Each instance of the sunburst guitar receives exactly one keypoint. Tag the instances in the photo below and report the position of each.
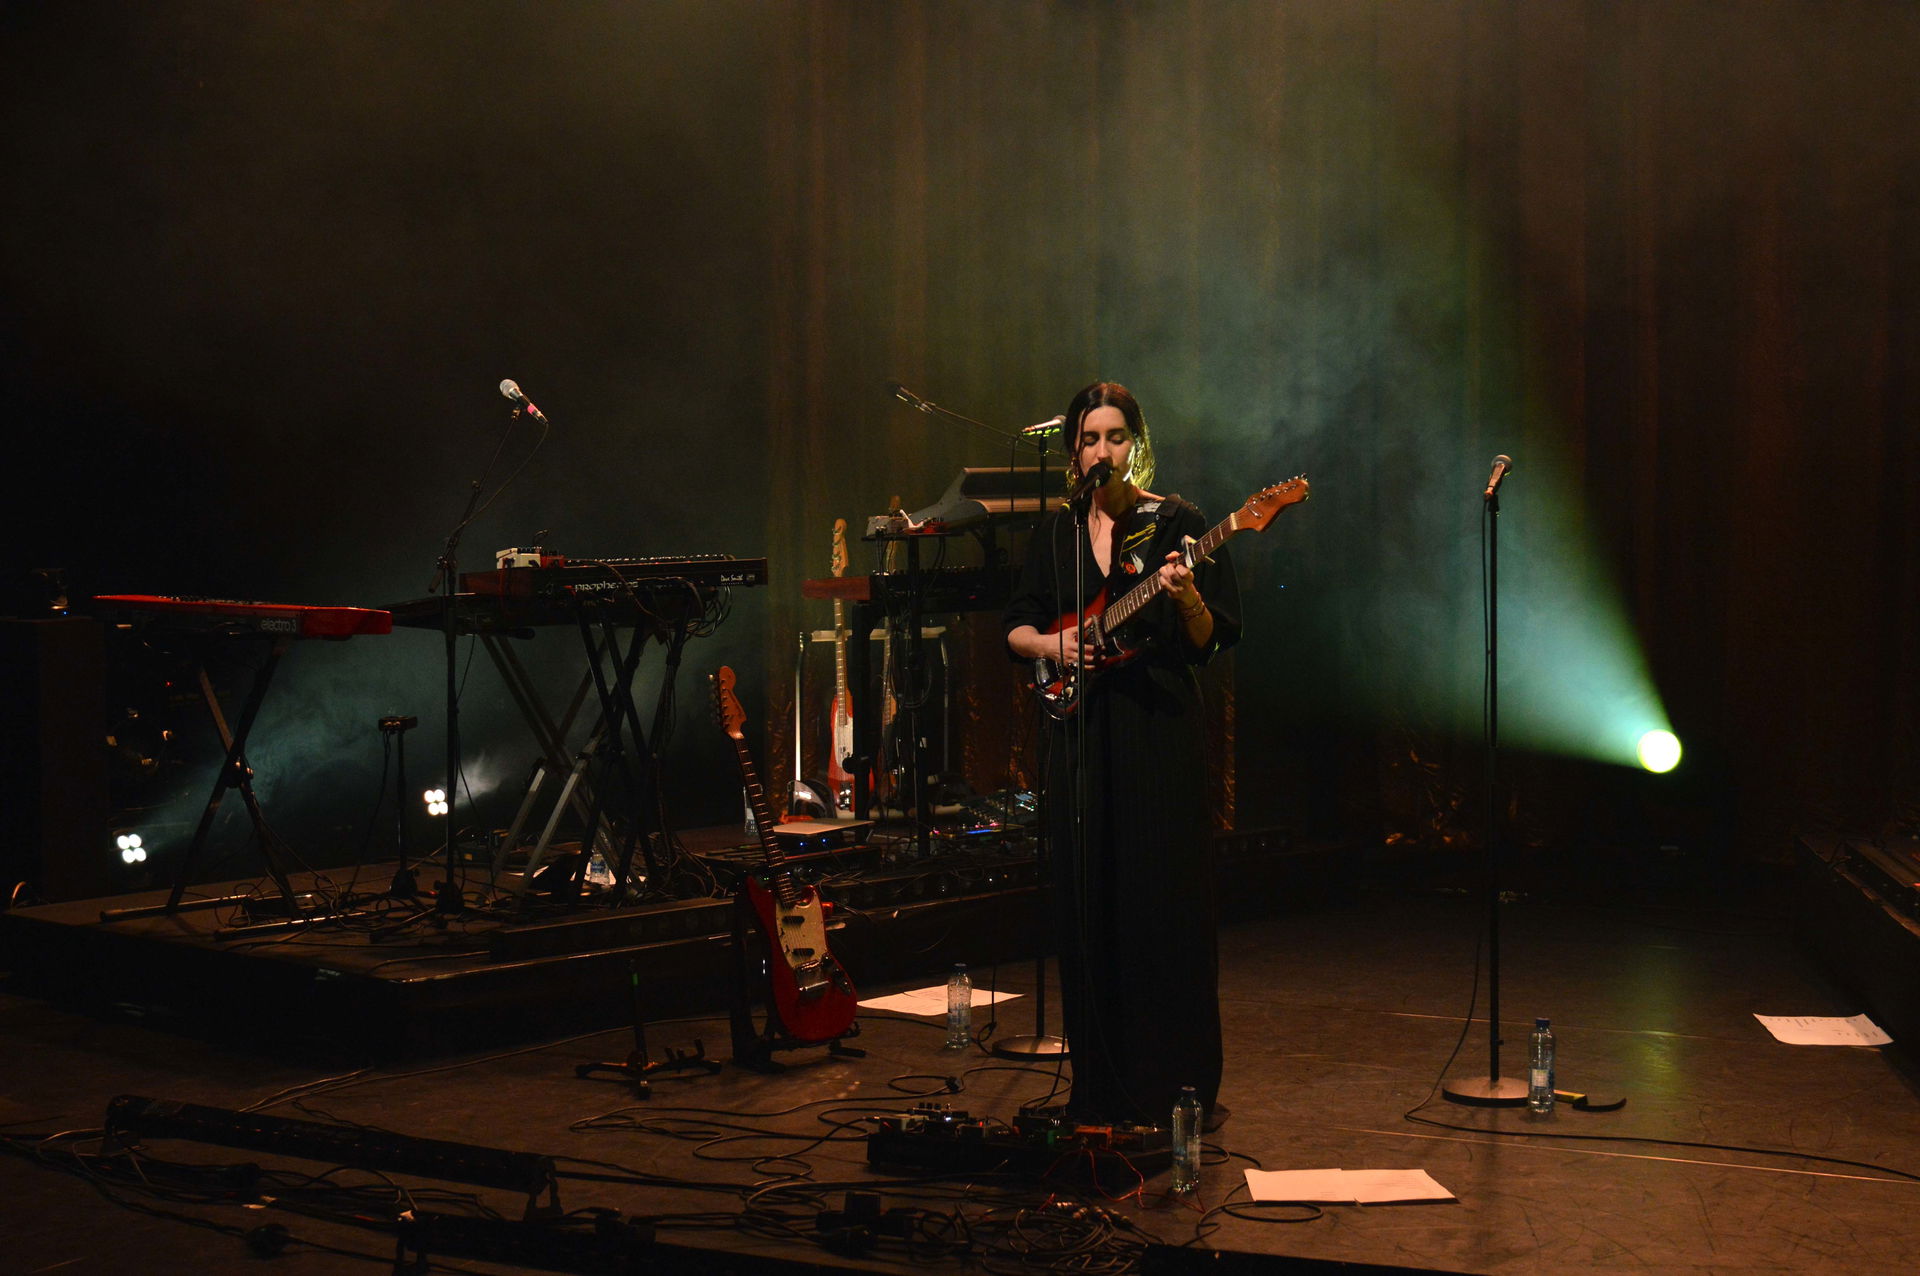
(812, 996)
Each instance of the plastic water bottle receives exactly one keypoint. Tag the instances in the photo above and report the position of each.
(746, 803)
(959, 1008)
(1188, 1117)
(599, 872)
(1540, 1068)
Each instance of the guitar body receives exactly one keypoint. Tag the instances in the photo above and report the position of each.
(839, 779)
(812, 996)
(1060, 685)
(813, 999)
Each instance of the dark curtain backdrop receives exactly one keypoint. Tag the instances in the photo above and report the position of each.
(263, 265)
(1663, 254)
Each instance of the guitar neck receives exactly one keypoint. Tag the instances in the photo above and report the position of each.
(1147, 590)
(763, 820)
(839, 652)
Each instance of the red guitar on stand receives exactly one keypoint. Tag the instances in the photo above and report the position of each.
(839, 779)
(813, 998)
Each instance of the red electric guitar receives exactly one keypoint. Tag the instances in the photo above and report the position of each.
(812, 996)
(839, 779)
(1059, 684)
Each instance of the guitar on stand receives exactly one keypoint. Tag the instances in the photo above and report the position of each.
(888, 779)
(839, 779)
(813, 1000)
(806, 799)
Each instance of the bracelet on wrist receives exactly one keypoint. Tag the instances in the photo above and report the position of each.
(1190, 613)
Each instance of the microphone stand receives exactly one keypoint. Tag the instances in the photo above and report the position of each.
(1494, 1091)
(449, 896)
(1040, 1044)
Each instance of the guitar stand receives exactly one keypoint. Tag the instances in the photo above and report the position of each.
(638, 1069)
(754, 1047)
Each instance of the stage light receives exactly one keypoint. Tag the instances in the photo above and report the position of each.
(1659, 751)
(436, 800)
(131, 851)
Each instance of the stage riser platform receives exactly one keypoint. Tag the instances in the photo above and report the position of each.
(277, 1003)
(1864, 937)
(483, 984)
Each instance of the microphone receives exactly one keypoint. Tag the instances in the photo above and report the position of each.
(511, 389)
(1093, 478)
(907, 396)
(1047, 426)
(1502, 466)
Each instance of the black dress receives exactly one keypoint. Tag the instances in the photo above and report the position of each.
(1133, 906)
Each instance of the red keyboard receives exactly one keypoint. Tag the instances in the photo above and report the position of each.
(228, 616)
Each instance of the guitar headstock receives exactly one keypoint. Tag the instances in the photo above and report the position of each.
(1264, 504)
(727, 710)
(839, 547)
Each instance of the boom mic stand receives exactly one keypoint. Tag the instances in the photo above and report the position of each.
(1039, 1044)
(450, 895)
(1495, 1091)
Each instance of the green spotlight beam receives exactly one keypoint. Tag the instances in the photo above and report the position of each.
(1575, 676)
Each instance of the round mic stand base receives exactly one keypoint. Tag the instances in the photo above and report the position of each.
(1487, 1092)
(1032, 1046)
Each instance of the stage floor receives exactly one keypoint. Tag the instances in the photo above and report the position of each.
(1733, 1152)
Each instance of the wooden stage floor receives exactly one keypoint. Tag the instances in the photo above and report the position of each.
(1733, 1153)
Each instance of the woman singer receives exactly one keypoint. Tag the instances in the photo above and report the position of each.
(1125, 803)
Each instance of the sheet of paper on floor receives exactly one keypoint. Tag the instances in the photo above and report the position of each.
(1824, 1030)
(931, 1001)
(1345, 1187)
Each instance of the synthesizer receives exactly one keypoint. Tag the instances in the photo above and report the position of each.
(237, 618)
(648, 591)
(581, 577)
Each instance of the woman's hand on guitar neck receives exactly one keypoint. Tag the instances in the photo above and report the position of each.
(1196, 622)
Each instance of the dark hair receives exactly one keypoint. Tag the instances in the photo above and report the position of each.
(1108, 394)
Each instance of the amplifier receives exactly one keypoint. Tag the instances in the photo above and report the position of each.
(806, 839)
(818, 849)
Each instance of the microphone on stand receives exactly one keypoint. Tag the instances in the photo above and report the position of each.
(1047, 426)
(1092, 479)
(1502, 466)
(511, 389)
(907, 396)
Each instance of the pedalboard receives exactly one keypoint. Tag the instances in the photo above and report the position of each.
(937, 1137)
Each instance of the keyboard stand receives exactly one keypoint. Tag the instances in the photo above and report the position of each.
(234, 774)
(634, 769)
(576, 792)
